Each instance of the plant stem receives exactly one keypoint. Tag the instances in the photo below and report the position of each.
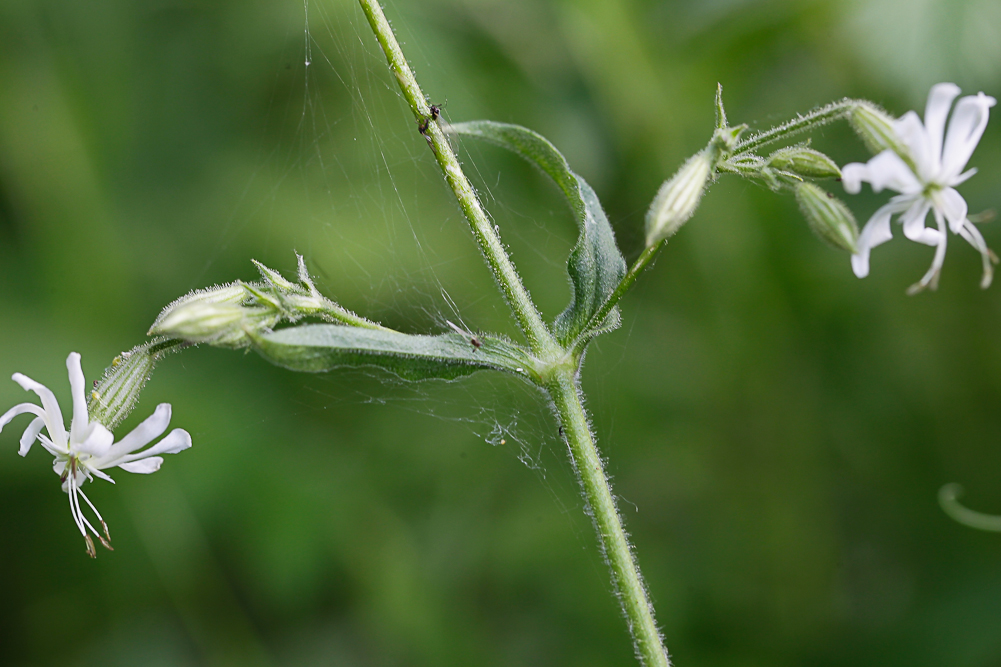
(539, 337)
(333, 312)
(620, 290)
(561, 384)
(566, 395)
(817, 117)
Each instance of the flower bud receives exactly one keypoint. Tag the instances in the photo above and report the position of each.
(803, 161)
(221, 324)
(875, 127)
(828, 217)
(213, 315)
(115, 394)
(678, 198)
(230, 293)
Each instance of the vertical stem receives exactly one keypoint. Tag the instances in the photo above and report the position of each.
(529, 319)
(566, 396)
(561, 386)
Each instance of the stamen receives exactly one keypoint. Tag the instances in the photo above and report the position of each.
(106, 540)
(78, 516)
(83, 517)
(74, 508)
(91, 551)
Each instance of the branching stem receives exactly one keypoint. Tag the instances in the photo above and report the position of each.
(539, 337)
(560, 381)
(634, 272)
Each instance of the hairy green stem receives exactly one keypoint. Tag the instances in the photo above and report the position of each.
(641, 263)
(826, 114)
(561, 382)
(567, 398)
(333, 312)
(540, 339)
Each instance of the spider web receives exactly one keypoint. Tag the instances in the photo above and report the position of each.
(381, 232)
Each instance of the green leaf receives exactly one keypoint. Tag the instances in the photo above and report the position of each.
(323, 347)
(595, 265)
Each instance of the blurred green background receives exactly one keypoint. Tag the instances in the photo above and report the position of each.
(776, 428)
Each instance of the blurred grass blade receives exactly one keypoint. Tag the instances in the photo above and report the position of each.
(322, 347)
(948, 498)
(595, 265)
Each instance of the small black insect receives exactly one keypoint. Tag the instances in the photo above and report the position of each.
(472, 339)
(425, 123)
(561, 431)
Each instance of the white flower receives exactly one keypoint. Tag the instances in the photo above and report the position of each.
(925, 177)
(89, 447)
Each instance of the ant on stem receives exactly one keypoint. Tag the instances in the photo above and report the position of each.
(424, 124)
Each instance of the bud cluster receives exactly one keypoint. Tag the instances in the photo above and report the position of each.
(795, 167)
(231, 315)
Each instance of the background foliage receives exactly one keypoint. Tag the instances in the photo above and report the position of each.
(777, 429)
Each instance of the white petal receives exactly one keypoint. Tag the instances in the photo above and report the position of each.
(913, 135)
(81, 422)
(53, 415)
(98, 473)
(962, 178)
(953, 207)
(939, 101)
(965, 129)
(143, 466)
(31, 434)
(887, 170)
(98, 441)
(852, 176)
(177, 441)
(913, 220)
(20, 409)
(150, 429)
(875, 232)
